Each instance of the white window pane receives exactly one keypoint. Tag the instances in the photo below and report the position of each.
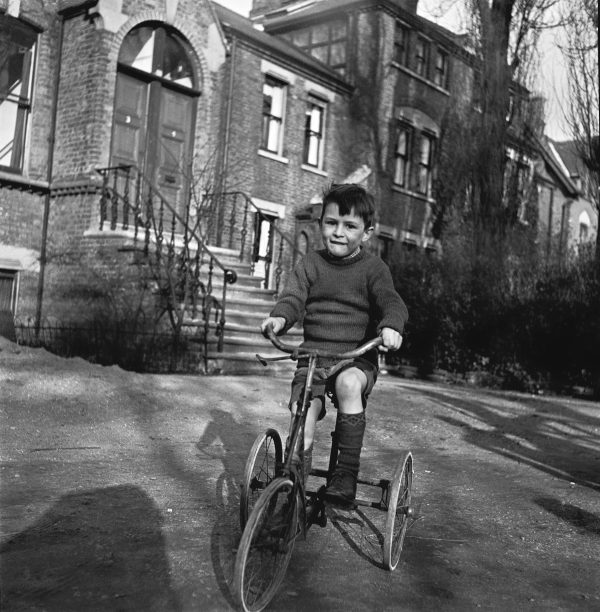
(425, 149)
(313, 151)
(8, 112)
(401, 148)
(277, 101)
(315, 119)
(273, 138)
(143, 59)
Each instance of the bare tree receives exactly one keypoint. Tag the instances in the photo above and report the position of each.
(580, 50)
(504, 35)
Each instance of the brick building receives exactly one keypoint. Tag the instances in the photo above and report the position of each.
(198, 103)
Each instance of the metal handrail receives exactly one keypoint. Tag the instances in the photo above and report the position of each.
(229, 275)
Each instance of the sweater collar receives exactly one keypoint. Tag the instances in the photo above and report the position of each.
(343, 261)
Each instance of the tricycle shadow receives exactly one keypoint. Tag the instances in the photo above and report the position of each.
(361, 533)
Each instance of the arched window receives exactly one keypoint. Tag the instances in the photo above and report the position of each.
(159, 51)
(584, 227)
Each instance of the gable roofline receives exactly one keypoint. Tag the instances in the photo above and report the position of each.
(279, 51)
(551, 159)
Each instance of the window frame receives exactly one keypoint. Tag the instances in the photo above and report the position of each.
(26, 38)
(426, 166)
(422, 61)
(311, 136)
(402, 160)
(269, 119)
(401, 44)
(440, 75)
(331, 39)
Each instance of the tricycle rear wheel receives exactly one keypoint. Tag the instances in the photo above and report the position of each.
(398, 513)
(263, 461)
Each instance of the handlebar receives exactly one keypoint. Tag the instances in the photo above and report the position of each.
(294, 350)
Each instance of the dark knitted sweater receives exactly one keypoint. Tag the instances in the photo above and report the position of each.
(342, 303)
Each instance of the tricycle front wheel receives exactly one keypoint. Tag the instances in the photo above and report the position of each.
(266, 546)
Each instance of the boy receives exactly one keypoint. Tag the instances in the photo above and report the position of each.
(344, 296)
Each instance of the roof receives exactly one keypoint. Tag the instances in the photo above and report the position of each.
(279, 50)
(292, 16)
(67, 6)
(556, 166)
(567, 150)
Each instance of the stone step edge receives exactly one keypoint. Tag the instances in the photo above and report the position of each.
(249, 357)
(238, 327)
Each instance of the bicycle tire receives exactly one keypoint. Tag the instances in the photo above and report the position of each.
(266, 546)
(399, 498)
(265, 456)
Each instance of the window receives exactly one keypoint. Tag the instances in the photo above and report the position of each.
(421, 56)
(314, 134)
(440, 75)
(274, 93)
(425, 164)
(160, 52)
(402, 156)
(325, 42)
(16, 86)
(400, 44)
(584, 227)
(9, 286)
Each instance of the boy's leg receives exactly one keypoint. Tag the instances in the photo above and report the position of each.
(349, 431)
(309, 431)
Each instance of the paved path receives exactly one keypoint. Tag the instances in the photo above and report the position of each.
(119, 491)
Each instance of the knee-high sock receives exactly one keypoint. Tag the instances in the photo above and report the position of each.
(349, 431)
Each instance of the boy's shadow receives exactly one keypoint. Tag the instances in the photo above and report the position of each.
(99, 549)
(226, 442)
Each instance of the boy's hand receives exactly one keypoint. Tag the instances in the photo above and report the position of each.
(277, 323)
(392, 340)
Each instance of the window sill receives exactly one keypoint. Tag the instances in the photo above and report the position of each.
(18, 181)
(420, 240)
(314, 170)
(413, 74)
(413, 194)
(273, 156)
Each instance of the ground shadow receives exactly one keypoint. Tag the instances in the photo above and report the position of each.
(582, 519)
(100, 549)
(549, 435)
(360, 532)
(221, 440)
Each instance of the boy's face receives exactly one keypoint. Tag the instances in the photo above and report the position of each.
(342, 234)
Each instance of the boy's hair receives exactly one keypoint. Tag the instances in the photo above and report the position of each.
(351, 199)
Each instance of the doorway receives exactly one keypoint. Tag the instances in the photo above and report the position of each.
(155, 108)
(264, 238)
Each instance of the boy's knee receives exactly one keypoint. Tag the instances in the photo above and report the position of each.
(349, 384)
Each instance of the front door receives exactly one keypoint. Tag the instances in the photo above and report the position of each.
(154, 113)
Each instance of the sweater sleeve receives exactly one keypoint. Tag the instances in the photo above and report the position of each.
(292, 301)
(390, 309)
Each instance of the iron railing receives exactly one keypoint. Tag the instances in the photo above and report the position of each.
(175, 242)
(183, 266)
(240, 219)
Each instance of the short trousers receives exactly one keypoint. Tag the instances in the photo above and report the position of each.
(324, 385)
